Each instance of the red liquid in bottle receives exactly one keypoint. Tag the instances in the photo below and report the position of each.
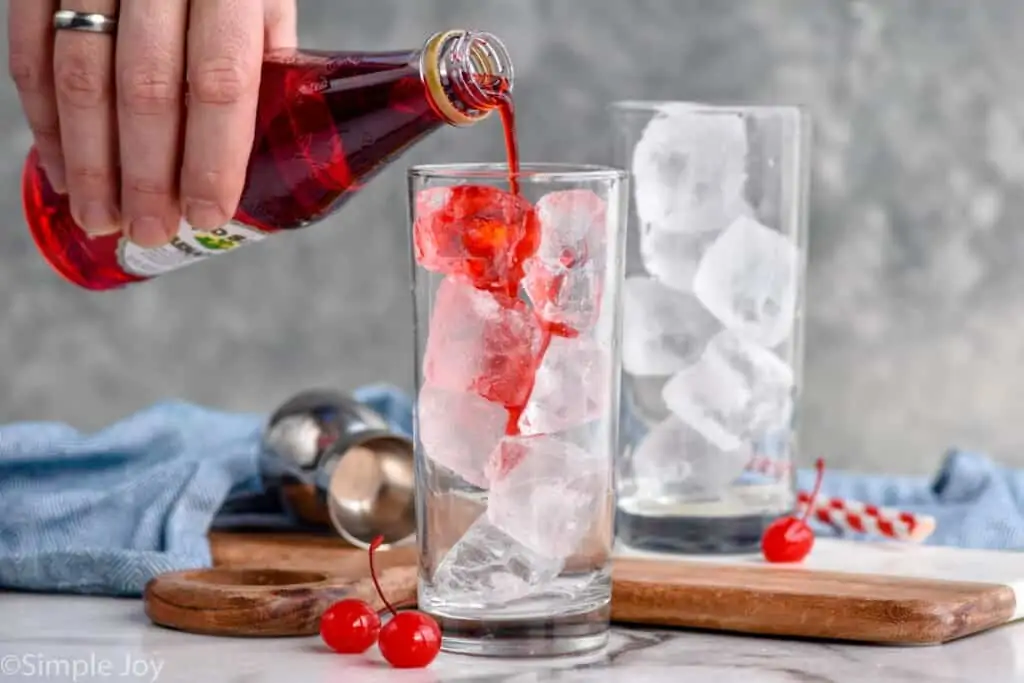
(326, 124)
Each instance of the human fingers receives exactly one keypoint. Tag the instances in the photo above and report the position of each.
(280, 19)
(30, 62)
(150, 64)
(83, 78)
(224, 56)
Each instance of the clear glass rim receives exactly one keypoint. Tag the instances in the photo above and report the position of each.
(539, 173)
(709, 108)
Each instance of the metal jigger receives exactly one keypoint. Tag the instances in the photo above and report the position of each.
(335, 462)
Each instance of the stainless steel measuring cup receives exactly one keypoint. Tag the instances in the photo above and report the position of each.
(336, 462)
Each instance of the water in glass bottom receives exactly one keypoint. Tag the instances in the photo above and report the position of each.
(571, 617)
(713, 527)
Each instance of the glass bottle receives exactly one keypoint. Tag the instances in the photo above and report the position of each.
(326, 123)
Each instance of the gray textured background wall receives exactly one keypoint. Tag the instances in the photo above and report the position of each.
(916, 301)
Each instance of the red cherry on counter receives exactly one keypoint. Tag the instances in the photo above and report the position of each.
(349, 627)
(790, 539)
(410, 640)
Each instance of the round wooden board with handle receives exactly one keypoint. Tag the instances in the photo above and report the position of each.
(238, 598)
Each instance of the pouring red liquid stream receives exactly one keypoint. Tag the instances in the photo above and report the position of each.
(508, 123)
(507, 112)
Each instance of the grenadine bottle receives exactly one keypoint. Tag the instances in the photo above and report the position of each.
(327, 122)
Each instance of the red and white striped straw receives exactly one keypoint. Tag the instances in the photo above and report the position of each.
(852, 515)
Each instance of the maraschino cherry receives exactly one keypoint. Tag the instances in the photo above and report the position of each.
(790, 539)
(349, 627)
(410, 640)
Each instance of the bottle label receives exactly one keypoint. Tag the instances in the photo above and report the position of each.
(188, 246)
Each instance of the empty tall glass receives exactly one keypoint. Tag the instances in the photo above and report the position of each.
(712, 314)
(517, 321)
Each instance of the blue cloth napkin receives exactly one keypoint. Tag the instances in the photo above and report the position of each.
(103, 513)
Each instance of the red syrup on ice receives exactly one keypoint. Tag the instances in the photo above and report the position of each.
(499, 239)
(486, 236)
(327, 123)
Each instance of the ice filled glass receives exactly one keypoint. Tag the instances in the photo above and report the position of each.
(517, 300)
(712, 318)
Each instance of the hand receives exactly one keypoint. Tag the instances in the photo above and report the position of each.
(107, 110)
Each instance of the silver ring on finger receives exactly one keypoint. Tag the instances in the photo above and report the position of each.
(89, 22)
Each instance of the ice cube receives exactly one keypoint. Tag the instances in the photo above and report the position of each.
(663, 329)
(487, 567)
(482, 342)
(673, 257)
(689, 170)
(482, 233)
(459, 430)
(563, 279)
(546, 492)
(733, 393)
(571, 387)
(748, 280)
(569, 299)
(572, 225)
(676, 460)
(448, 513)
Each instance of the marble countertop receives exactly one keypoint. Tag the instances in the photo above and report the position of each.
(82, 639)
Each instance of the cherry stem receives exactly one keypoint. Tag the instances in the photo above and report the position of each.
(819, 465)
(373, 575)
(400, 606)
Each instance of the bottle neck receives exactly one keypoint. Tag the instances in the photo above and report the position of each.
(467, 74)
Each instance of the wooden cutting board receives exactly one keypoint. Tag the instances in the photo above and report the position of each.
(880, 593)
(845, 590)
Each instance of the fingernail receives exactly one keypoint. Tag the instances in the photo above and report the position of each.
(98, 219)
(203, 214)
(148, 232)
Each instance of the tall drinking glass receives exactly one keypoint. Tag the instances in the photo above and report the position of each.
(713, 322)
(517, 300)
